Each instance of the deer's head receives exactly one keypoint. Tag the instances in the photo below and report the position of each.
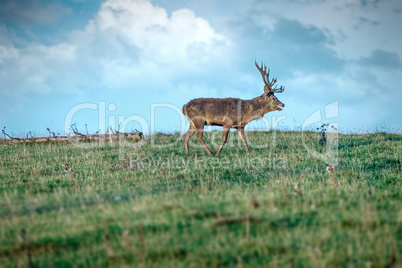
(270, 88)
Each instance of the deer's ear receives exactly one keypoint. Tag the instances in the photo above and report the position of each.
(269, 94)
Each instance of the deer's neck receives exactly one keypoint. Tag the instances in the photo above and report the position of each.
(257, 108)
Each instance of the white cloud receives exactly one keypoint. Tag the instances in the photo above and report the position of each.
(160, 45)
(8, 53)
(36, 69)
(128, 44)
(181, 38)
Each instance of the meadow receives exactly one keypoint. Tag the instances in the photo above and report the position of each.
(148, 204)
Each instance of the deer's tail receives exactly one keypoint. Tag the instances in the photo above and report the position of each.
(185, 109)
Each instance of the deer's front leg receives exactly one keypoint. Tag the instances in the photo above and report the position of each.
(243, 137)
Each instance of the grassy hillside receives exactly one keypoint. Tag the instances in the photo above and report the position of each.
(151, 205)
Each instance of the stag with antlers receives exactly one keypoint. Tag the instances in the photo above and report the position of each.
(231, 112)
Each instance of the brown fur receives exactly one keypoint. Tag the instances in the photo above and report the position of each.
(228, 113)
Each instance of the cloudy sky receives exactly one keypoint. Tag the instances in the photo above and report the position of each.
(138, 61)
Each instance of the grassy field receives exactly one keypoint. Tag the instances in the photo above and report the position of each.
(148, 204)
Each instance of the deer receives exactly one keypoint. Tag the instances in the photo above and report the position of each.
(231, 112)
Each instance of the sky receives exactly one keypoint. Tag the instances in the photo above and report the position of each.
(132, 64)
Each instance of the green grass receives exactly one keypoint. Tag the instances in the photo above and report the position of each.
(155, 206)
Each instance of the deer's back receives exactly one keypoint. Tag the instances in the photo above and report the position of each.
(213, 110)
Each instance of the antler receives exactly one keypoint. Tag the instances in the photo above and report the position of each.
(263, 72)
(265, 77)
(281, 89)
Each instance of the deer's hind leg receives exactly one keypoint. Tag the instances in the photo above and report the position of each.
(200, 132)
(225, 133)
(188, 135)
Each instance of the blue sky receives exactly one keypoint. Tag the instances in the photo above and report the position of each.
(138, 61)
